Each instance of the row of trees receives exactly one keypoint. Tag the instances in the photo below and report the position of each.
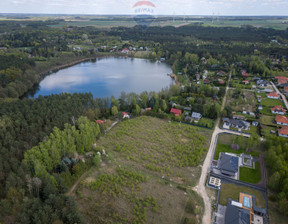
(277, 161)
(45, 157)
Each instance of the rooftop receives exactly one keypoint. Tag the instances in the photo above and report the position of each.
(283, 130)
(273, 94)
(229, 163)
(281, 119)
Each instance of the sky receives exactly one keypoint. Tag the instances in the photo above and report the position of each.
(163, 7)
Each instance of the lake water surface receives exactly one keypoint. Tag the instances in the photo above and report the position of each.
(106, 77)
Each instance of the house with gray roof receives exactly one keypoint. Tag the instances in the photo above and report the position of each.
(235, 123)
(228, 164)
(196, 116)
(236, 215)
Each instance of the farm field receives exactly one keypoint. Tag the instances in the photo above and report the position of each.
(155, 163)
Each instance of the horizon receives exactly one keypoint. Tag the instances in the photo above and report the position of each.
(168, 7)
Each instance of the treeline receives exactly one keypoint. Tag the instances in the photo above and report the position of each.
(277, 162)
(44, 158)
(172, 34)
(23, 124)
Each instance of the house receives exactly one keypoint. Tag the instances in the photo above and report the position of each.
(255, 79)
(278, 110)
(239, 117)
(236, 214)
(125, 51)
(100, 122)
(222, 82)
(252, 114)
(262, 83)
(260, 107)
(281, 120)
(176, 112)
(244, 74)
(281, 80)
(273, 95)
(283, 132)
(206, 81)
(228, 164)
(255, 123)
(285, 89)
(245, 211)
(196, 116)
(148, 108)
(197, 77)
(125, 115)
(259, 98)
(234, 123)
(246, 82)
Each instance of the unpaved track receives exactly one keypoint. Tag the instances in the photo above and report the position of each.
(200, 188)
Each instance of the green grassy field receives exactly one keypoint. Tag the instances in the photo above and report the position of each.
(249, 175)
(271, 102)
(232, 191)
(227, 148)
(268, 120)
(154, 164)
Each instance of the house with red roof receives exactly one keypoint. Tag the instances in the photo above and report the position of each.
(278, 110)
(125, 51)
(176, 112)
(100, 122)
(281, 77)
(245, 74)
(273, 95)
(281, 120)
(206, 81)
(246, 82)
(148, 108)
(222, 82)
(125, 115)
(283, 132)
(281, 82)
(286, 89)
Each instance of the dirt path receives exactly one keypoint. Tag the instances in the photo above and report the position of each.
(200, 188)
(70, 192)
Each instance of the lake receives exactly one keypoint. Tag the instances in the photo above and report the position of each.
(105, 77)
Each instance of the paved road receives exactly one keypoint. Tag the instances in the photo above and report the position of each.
(282, 95)
(200, 188)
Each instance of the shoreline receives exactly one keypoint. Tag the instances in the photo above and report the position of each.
(175, 78)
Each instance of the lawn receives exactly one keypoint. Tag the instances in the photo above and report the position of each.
(266, 111)
(271, 102)
(154, 163)
(268, 120)
(227, 148)
(249, 175)
(232, 191)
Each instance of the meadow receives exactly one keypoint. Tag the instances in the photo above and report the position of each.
(155, 163)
